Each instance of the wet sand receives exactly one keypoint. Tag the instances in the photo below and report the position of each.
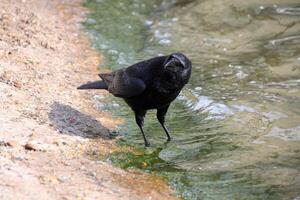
(48, 129)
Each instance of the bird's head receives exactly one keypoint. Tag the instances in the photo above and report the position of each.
(179, 64)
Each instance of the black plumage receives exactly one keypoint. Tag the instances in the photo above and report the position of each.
(150, 84)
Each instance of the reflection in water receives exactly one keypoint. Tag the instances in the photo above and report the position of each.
(236, 125)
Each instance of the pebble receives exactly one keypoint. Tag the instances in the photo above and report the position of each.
(12, 143)
(93, 174)
(17, 158)
(30, 146)
(34, 145)
(62, 179)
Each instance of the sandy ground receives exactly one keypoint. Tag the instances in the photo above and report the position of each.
(47, 127)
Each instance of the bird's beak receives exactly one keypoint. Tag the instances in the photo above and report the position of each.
(181, 60)
(168, 63)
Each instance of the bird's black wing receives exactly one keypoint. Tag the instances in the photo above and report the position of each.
(120, 84)
(133, 80)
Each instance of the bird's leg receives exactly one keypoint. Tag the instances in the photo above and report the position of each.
(139, 118)
(161, 112)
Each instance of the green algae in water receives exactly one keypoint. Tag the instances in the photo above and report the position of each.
(236, 124)
(197, 185)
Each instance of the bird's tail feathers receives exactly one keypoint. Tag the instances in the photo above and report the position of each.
(93, 85)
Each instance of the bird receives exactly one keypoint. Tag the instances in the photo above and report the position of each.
(149, 84)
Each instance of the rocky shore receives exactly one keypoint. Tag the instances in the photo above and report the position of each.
(48, 129)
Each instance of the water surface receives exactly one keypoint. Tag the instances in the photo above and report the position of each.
(236, 125)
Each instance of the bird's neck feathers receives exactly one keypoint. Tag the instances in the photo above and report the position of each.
(171, 81)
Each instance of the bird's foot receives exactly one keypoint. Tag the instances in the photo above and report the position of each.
(169, 139)
(147, 144)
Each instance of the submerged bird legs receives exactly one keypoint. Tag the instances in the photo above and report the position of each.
(161, 112)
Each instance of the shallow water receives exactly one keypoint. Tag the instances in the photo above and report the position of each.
(236, 125)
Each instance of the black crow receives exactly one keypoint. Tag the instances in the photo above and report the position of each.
(150, 84)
